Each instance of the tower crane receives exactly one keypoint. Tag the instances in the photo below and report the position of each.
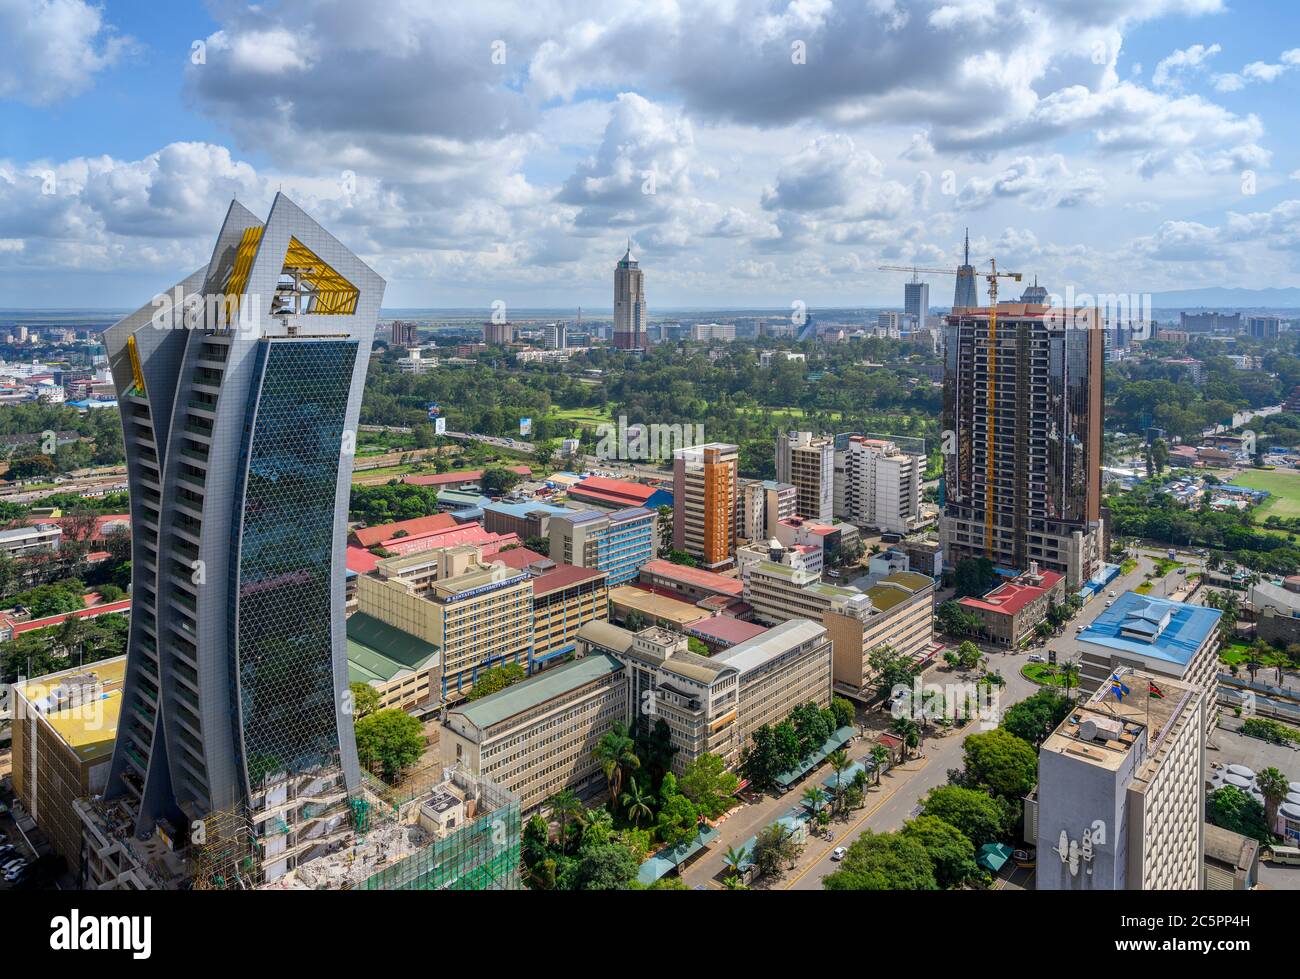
(992, 277)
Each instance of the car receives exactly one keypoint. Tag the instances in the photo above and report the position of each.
(7, 851)
(1110, 602)
(1110, 594)
(838, 853)
(16, 872)
(1080, 627)
(1036, 658)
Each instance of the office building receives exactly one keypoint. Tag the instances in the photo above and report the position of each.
(565, 598)
(1120, 802)
(401, 334)
(1223, 323)
(555, 336)
(687, 583)
(617, 542)
(763, 504)
(966, 295)
(1166, 639)
(22, 541)
(1035, 295)
(401, 668)
(713, 331)
(897, 611)
(808, 462)
(1012, 610)
(629, 304)
(704, 503)
(498, 334)
(1022, 472)
(916, 302)
(780, 592)
(538, 737)
(234, 416)
(525, 518)
(1263, 327)
(881, 484)
(64, 726)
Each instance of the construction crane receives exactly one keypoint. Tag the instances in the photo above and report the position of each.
(992, 277)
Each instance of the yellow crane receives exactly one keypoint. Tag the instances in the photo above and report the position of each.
(992, 277)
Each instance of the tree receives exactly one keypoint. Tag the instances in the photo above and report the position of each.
(974, 576)
(883, 862)
(760, 763)
(880, 755)
(391, 739)
(1233, 809)
(365, 699)
(976, 814)
(497, 481)
(604, 867)
(811, 726)
(678, 820)
(665, 525)
(906, 729)
(892, 669)
(1034, 718)
(566, 807)
(968, 655)
(708, 784)
(495, 679)
(774, 849)
(636, 803)
(814, 797)
(32, 467)
(735, 860)
(950, 850)
(1273, 787)
(955, 620)
(616, 754)
(843, 711)
(839, 761)
(1008, 765)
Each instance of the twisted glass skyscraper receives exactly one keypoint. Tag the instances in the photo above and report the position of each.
(240, 391)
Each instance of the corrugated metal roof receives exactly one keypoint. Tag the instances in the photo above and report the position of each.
(536, 690)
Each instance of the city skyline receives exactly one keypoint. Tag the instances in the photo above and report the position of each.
(836, 140)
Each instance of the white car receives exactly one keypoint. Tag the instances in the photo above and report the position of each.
(1110, 594)
(1036, 658)
(1110, 602)
(838, 853)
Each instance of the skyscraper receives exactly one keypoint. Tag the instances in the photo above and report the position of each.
(1035, 294)
(629, 303)
(1022, 452)
(240, 396)
(967, 293)
(704, 503)
(916, 301)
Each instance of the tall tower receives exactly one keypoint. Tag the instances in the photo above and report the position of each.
(1035, 294)
(629, 303)
(967, 294)
(240, 400)
(916, 301)
(1022, 473)
(705, 491)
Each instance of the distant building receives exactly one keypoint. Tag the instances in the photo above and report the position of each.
(878, 485)
(498, 334)
(967, 291)
(555, 336)
(1263, 327)
(418, 360)
(764, 504)
(630, 316)
(713, 331)
(402, 334)
(1229, 323)
(618, 542)
(916, 302)
(22, 541)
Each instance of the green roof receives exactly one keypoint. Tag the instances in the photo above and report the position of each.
(913, 580)
(548, 685)
(992, 856)
(379, 651)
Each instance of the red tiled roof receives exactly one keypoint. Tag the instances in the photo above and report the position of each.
(724, 628)
(694, 576)
(85, 613)
(563, 576)
(471, 534)
(360, 560)
(452, 479)
(518, 557)
(370, 536)
(100, 522)
(613, 490)
(1010, 597)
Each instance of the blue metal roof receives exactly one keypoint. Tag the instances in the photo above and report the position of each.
(525, 508)
(1153, 627)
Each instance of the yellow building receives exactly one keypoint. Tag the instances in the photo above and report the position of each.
(897, 611)
(63, 732)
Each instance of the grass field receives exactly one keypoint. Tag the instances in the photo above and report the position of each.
(584, 416)
(1283, 484)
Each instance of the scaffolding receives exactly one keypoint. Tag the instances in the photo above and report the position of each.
(223, 852)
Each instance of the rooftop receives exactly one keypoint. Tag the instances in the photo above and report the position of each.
(378, 651)
(548, 685)
(525, 507)
(780, 639)
(1010, 597)
(563, 576)
(655, 606)
(725, 629)
(371, 536)
(1153, 627)
(465, 476)
(694, 576)
(88, 725)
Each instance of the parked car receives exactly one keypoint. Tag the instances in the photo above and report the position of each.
(1036, 658)
(6, 851)
(838, 853)
(1110, 602)
(14, 873)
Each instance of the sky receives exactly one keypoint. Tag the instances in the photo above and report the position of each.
(756, 154)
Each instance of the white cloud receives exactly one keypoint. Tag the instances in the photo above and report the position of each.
(1170, 70)
(1039, 182)
(52, 49)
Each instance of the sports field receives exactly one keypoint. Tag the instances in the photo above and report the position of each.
(1283, 484)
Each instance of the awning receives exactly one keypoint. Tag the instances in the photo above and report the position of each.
(992, 856)
(667, 859)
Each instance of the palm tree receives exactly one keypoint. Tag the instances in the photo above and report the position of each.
(565, 805)
(1273, 787)
(733, 882)
(637, 803)
(839, 761)
(735, 859)
(615, 753)
(907, 730)
(1069, 673)
(814, 797)
(880, 755)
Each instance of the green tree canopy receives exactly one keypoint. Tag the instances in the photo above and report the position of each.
(883, 862)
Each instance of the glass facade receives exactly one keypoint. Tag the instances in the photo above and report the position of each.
(283, 530)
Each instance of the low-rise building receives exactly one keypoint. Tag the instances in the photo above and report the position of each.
(565, 598)
(628, 603)
(1012, 610)
(688, 583)
(618, 542)
(403, 669)
(22, 541)
(525, 518)
(897, 611)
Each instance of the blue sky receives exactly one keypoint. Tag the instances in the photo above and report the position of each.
(506, 151)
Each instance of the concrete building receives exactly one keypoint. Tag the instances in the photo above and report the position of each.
(555, 336)
(525, 518)
(705, 332)
(537, 736)
(1263, 327)
(22, 541)
(618, 542)
(498, 334)
(233, 413)
(418, 360)
(401, 334)
(704, 507)
(763, 504)
(687, 583)
(1120, 802)
(64, 726)
(1231, 860)
(1166, 639)
(808, 462)
(897, 612)
(565, 598)
(401, 668)
(479, 616)
(1207, 322)
(1011, 611)
(630, 317)
(628, 602)
(924, 555)
(1022, 477)
(966, 295)
(881, 485)
(779, 592)
(916, 301)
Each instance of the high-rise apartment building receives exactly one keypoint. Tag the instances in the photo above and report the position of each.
(808, 461)
(764, 504)
(629, 303)
(878, 485)
(402, 334)
(500, 334)
(555, 336)
(1022, 466)
(1120, 802)
(238, 402)
(967, 294)
(704, 503)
